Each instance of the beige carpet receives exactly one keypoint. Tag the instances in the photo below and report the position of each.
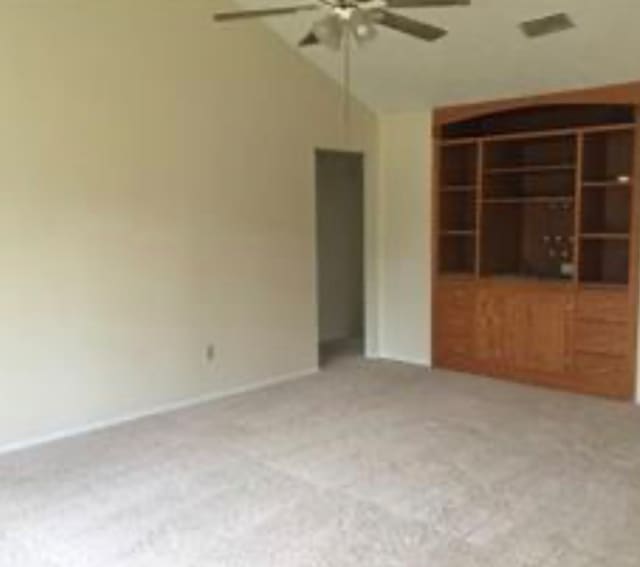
(368, 464)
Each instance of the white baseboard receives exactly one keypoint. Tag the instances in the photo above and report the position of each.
(406, 360)
(157, 410)
(413, 362)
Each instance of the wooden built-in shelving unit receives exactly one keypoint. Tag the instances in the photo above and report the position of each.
(526, 196)
(535, 239)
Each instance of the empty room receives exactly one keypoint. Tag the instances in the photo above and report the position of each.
(318, 283)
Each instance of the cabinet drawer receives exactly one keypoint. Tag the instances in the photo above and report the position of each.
(453, 329)
(597, 337)
(455, 296)
(455, 353)
(609, 306)
(610, 375)
(454, 311)
(454, 325)
(455, 347)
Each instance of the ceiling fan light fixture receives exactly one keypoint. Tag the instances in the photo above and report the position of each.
(329, 31)
(362, 25)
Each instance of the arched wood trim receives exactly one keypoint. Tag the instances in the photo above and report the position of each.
(626, 93)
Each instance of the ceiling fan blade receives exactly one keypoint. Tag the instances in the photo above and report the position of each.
(409, 26)
(309, 40)
(426, 3)
(249, 14)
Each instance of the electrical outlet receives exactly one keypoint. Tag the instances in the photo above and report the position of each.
(210, 352)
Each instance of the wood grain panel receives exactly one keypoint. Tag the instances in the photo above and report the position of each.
(490, 314)
(453, 323)
(624, 93)
(530, 332)
(549, 336)
(597, 337)
(517, 323)
(604, 305)
(522, 328)
(605, 375)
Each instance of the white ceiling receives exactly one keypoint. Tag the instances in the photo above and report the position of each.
(485, 55)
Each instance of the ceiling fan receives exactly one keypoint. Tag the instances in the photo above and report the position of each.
(357, 19)
(343, 20)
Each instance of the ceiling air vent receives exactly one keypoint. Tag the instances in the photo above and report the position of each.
(548, 25)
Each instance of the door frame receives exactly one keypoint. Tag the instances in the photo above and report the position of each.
(367, 251)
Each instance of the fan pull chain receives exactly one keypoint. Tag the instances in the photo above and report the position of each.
(347, 86)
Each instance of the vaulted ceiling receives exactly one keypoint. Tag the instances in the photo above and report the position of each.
(484, 56)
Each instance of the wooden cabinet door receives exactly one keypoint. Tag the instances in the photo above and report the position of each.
(549, 333)
(523, 330)
(604, 343)
(517, 323)
(490, 315)
(546, 334)
(453, 324)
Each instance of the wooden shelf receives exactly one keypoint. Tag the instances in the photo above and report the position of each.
(458, 142)
(606, 184)
(460, 274)
(603, 285)
(457, 233)
(605, 236)
(466, 276)
(524, 169)
(458, 189)
(519, 279)
(528, 200)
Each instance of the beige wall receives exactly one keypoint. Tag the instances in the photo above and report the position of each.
(156, 195)
(404, 292)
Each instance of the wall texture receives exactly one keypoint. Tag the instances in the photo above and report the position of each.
(156, 196)
(404, 245)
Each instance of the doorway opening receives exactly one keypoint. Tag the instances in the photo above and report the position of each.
(340, 254)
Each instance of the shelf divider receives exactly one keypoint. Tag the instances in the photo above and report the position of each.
(606, 184)
(458, 189)
(577, 221)
(479, 206)
(457, 233)
(528, 200)
(524, 169)
(605, 236)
